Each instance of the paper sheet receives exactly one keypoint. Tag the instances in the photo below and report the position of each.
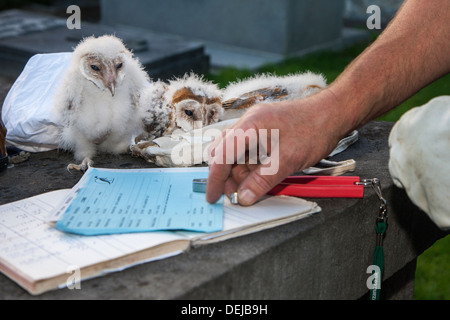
(35, 250)
(38, 251)
(114, 201)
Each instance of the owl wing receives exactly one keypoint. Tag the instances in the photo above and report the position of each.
(138, 79)
(67, 99)
(251, 98)
(156, 115)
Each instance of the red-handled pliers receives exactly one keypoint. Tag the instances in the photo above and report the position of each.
(320, 187)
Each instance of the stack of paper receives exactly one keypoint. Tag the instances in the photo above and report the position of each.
(40, 257)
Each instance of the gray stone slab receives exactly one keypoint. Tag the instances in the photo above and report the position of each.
(31, 33)
(324, 256)
(281, 27)
(242, 34)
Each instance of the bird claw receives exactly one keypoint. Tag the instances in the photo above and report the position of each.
(134, 151)
(73, 166)
(83, 166)
(139, 151)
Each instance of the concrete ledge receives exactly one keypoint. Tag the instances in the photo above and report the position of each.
(324, 256)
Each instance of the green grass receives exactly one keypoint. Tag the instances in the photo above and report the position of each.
(330, 64)
(433, 271)
(438, 88)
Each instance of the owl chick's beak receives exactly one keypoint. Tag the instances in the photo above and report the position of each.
(110, 82)
(112, 88)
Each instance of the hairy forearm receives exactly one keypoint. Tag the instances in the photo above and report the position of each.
(411, 53)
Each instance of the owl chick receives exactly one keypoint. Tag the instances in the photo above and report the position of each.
(98, 100)
(185, 103)
(239, 96)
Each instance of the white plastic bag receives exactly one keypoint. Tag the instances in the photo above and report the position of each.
(419, 159)
(27, 110)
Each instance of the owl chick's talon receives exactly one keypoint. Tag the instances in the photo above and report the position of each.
(73, 166)
(140, 151)
(83, 166)
(134, 151)
(86, 164)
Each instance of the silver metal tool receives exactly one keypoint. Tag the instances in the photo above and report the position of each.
(199, 185)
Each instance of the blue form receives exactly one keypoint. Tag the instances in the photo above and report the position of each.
(124, 201)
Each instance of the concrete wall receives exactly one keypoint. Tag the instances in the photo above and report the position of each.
(355, 10)
(281, 26)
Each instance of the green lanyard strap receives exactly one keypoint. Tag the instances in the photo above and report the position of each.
(380, 228)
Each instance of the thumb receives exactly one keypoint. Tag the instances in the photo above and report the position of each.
(256, 185)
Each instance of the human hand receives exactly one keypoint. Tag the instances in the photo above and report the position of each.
(300, 133)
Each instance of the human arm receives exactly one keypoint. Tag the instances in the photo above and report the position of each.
(411, 53)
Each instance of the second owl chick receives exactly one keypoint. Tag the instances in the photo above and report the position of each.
(185, 103)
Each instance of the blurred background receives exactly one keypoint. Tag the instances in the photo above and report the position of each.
(225, 41)
(202, 35)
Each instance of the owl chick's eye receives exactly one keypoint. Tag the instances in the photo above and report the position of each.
(212, 112)
(188, 112)
(94, 67)
(120, 65)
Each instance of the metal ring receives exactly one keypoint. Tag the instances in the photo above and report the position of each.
(234, 198)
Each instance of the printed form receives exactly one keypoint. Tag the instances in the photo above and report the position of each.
(108, 201)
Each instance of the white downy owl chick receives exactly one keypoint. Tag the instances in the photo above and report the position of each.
(185, 103)
(239, 96)
(98, 100)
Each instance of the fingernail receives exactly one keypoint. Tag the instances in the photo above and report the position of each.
(246, 197)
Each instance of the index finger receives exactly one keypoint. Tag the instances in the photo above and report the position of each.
(223, 153)
(218, 175)
(219, 169)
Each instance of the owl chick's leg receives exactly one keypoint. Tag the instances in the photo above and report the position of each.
(83, 166)
(84, 151)
(139, 151)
